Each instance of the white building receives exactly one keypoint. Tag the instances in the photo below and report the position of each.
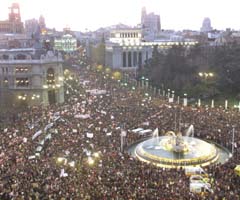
(151, 25)
(126, 49)
(31, 78)
(66, 43)
(206, 25)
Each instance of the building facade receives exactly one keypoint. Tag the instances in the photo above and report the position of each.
(13, 24)
(32, 27)
(9, 41)
(28, 77)
(66, 43)
(206, 25)
(151, 25)
(126, 50)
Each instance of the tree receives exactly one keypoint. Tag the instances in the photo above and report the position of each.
(98, 53)
(171, 70)
(177, 74)
(226, 63)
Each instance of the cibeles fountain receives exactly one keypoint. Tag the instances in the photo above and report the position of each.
(173, 150)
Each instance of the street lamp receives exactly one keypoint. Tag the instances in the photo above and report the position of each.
(173, 94)
(185, 99)
(143, 81)
(90, 161)
(205, 74)
(147, 83)
(168, 94)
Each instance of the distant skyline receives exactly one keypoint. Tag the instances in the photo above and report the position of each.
(90, 15)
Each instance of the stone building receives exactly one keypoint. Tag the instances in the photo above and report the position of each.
(30, 77)
(126, 49)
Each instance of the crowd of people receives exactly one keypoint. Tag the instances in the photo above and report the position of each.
(81, 155)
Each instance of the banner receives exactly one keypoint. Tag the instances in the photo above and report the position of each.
(36, 134)
(90, 135)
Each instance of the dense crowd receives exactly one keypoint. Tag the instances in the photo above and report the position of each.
(87, 124)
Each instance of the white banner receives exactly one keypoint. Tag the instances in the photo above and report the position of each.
(36, 134)
(90, 135)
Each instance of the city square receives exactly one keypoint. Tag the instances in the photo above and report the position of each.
(92, 122)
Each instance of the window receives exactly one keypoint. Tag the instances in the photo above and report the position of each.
(21, 69)
(22, 82)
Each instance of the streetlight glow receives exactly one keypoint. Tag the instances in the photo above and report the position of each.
(90, 161)
(96, 155)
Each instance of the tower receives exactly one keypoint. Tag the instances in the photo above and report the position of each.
(14, 13)
(206, 25)
(143, 15)
(42, 22)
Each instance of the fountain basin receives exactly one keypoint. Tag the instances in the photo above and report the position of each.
(198, 152)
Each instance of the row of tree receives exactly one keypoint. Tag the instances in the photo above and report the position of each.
(178, 69)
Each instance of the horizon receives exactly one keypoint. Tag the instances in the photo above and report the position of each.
(81, 16)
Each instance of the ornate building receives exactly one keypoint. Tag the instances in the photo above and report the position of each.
(127, 50)
(13, 24)
(29, 77)
(66, 43)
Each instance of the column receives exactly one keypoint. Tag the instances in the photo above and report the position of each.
(137, 52)
(130, 59)
(126, 58)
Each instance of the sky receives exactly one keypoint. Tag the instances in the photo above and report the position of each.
(89, 15)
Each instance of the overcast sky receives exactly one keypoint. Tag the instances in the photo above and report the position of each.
(93, 14)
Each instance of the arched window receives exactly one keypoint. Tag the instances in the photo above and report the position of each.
(50, 76)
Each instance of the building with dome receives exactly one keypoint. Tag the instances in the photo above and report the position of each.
(206, 25)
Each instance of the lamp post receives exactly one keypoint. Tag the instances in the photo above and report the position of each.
(233, 136)
(185, 99)
(173, 94)
(142, 81)
(212, 104)
(226, 104)
(168, 94)
(199, 102)
(147, 83)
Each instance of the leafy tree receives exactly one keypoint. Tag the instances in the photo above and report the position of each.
(177, 74)
(171, 70)
(98, 53)
(226, 63)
